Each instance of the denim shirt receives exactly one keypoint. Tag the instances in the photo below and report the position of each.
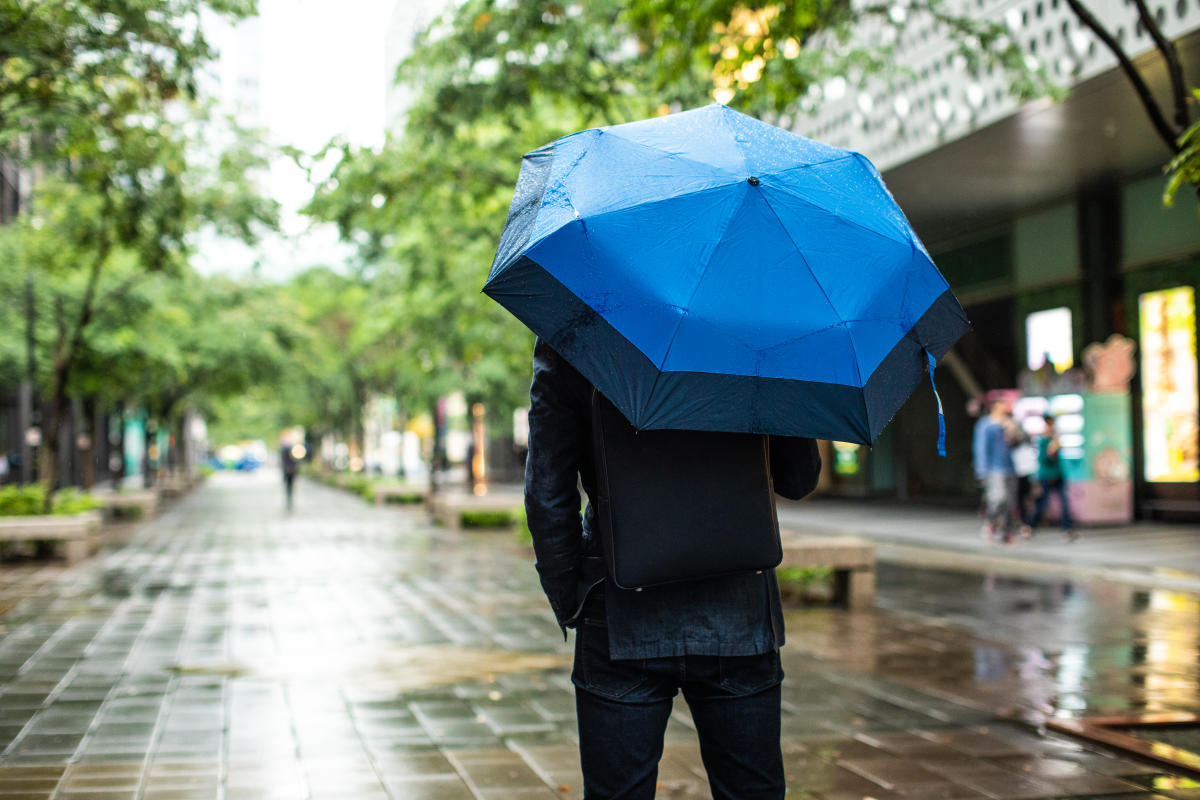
(729, 615)
(991, 449)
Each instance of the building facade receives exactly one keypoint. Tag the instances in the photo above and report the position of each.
(1047, 220)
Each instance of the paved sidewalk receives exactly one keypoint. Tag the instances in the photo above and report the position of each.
(230, 650)
(1153, 554)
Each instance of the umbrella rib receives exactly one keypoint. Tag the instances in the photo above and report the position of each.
(670, 154)
(799, 252)
(669, 199)
(737, 143)
(848, 221)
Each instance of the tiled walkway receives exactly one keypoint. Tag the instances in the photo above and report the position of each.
(230, 650)
(1143, 553)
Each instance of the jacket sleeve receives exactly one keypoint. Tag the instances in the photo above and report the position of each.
(979, 448)
(558, 434)
(795, 466)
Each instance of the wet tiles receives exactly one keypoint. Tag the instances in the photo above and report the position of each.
(227, 649)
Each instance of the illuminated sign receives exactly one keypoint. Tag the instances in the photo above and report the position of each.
(1170, 438)
(1048, 339)
(845, 458)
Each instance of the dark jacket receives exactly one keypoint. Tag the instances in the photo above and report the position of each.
(730, 615)
(288, 461)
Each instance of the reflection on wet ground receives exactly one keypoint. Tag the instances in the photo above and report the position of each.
(230, 650)
(1070, 649)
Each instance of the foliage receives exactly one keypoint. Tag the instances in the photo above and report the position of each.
(404, 498)
(487, 519)
(97, 93)
(31, 500)
(496, 79)
(127, 513)
(68, 60)
(18, 501)
(805, 584)
(326, 384)
(355, 483)
(1185, 166)
(73, 501)
(803, 575)
(772, 58)
(524, 535)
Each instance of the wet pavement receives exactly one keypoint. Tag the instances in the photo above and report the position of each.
(231, 650)
(1158, 554)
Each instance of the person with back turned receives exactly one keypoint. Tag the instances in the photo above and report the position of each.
(290, 464)
(717, 639)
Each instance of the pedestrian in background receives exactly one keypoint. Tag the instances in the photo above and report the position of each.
(1025, 465)
(1051, 480)
(290, 465)
(994, 437)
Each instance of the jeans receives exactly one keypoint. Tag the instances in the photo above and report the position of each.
(1000, 501)
(623, 707)
(1059, 487)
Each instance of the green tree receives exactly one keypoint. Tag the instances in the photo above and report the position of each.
(85, 90)
(187, 341)
(497, 79)
(327, 382)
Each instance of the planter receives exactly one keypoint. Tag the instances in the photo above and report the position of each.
(175, 486)
(452, 510)
(131, 505)
(73, 530)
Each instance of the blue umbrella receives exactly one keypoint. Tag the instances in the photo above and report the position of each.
(708, 271)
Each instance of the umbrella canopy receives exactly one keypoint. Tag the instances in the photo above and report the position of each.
(708, 271)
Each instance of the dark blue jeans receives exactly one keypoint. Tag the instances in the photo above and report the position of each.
(1059, 487)
(623, 708)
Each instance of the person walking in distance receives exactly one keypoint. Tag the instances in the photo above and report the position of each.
(716, 639)
(289, 460)
(1051, 479)
(994, 468)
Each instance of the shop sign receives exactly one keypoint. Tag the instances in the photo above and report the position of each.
(1048, 340)
(845, 458)
(1171, 437)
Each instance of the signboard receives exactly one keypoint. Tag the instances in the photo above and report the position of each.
(1048, 340)
(845, 458)
(1171, 438)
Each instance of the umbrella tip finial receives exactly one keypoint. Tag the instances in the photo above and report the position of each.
(753, 181)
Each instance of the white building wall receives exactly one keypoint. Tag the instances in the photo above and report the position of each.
(931, 99)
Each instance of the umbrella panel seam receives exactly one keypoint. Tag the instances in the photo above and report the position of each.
(613, 130)
(847, 220)
(620, 209)
(699, 280)
(825, 294)
(668, 153)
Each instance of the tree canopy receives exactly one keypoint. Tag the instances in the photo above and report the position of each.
(496, 79)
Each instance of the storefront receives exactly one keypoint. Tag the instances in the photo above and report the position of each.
(1132, 402)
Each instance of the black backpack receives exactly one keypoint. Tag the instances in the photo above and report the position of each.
(681, 505)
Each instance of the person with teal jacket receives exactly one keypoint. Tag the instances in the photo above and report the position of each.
(1051, 479)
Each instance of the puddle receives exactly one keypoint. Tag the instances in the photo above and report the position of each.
(417, 667)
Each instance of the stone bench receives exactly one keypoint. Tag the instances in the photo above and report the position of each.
(73, 530)
(447, 508)
(852, 561)
(172, 487)
(384, 492)
(119, 503)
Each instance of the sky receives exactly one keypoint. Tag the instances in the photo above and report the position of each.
(307, 71)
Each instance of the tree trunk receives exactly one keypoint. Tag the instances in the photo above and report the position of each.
(52, 433)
